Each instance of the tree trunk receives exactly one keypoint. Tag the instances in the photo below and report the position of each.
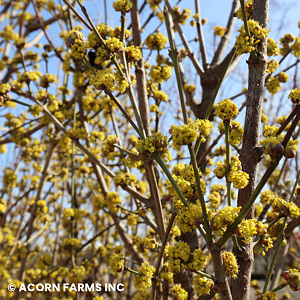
(250, 155)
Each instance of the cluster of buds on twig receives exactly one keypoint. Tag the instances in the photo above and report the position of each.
(293, 278)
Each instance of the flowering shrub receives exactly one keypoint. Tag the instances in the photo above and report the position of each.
(113, 171)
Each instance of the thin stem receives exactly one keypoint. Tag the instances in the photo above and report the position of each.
(279, 241)
(174, 56)
(281, 286)
(202, 200)
(206, 275)
(228, 183)
(253, 54)
(112, 97)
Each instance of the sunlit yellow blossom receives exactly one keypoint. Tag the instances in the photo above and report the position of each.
(273, 85)
(116, 260)
(122, 5)
(248, 10)
(230, 264)
(218, 30)
(246, 44)
(202, 285)
(178, 255)
(267, 197)
(296, 47)
(236, 132)
(270, 296)
(223, 218)
(272, 47)
(247, 229)
(143, 281)
(178, 292)
(272, 66)
(295, 95)
(226, 109)
(156, 41)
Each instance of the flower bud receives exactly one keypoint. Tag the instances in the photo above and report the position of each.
(286, 275)
(294, 287)
(288, 153)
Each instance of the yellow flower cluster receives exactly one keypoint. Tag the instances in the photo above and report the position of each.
(9, 178)
(46, 79)
(272, 47)
(179, 256)
(224, 218)
(239, 178)
(283, 77)
(248, 10)
(156, 41)
(272, 66)
(154, 4)
(160, 73)
(273, 85)
(246, 44)
(76, 42)
(188, 133)
(290, 209)
(4, 88)
(130, 179)
(143, 281)
(189, 87)
(160, 96)
(113, 201)
(181, 16)
(286, 40)
(235, 175)
(296, 47)
(236, 131)
(3, 206)
(247, 229)
(144, 244)
(178, 292)
(114, 44)
(198, 261)
(185, 179)
(133, 54)
(267, 197)
(295, 95)
(154, 108)
(218, 30)
(214, 200)
(157, 143)
(109, 79)
(188, 217)
(226, 109)
(269, 296)
(272, 144)
(116, 260)
(122, 5)
(292, 276)
(230, 264)
(202, 285)
(29, 76)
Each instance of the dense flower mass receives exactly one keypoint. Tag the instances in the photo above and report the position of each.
(202, 285)
(188, 133)
(156, 41)
(89, 190)
(226, 109)
(245, 43)
(143, 281)
(295, 96)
